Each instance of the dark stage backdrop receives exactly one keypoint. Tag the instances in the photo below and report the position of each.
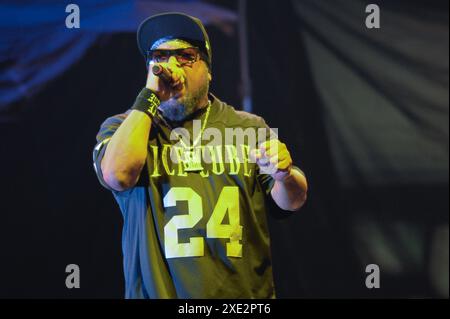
(365, 112)
(363, 207)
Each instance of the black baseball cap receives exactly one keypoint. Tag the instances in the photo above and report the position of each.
(174, 25)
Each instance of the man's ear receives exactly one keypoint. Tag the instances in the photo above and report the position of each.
(209, 76)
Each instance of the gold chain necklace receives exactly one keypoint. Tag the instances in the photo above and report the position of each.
(190, 158)
(194, 143)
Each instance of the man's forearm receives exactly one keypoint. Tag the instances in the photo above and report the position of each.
(126, 152)
(290, 193)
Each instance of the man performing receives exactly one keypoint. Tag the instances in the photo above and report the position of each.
(194, 214)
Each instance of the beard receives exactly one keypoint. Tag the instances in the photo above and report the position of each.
(177, 110)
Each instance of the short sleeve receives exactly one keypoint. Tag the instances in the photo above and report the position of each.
(107, 129)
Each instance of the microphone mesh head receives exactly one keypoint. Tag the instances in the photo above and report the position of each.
(157, 69)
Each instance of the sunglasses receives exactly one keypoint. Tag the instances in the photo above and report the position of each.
(185, 56)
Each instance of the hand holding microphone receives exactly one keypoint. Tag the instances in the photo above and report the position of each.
(162, 73)
(166, 79)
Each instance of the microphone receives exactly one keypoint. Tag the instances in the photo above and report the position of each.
(162, 73)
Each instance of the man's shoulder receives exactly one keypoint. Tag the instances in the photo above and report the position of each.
(231, 117)
(110, 125)
(117, 118)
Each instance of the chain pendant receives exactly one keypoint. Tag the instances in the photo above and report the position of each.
(192, 161)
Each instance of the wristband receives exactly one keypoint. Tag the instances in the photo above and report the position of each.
(146, 102)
